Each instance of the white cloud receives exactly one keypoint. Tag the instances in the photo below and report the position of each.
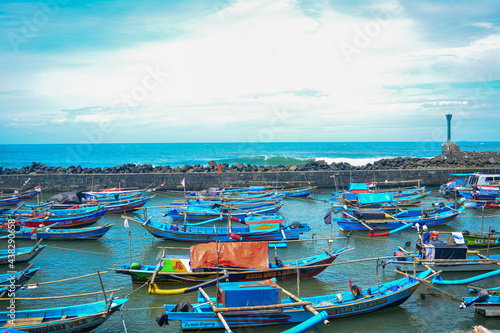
(242, 63)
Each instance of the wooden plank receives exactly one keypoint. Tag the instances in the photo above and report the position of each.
(261, 307)
(24, 322)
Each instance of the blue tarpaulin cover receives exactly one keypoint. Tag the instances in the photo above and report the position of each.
(234, 295)
(351, 196)
(357, 187)
(370, 198)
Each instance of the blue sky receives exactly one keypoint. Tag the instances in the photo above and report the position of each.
(240, 71)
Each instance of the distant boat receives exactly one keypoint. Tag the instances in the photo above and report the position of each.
(71, 218)
(254, 232)
(195, 213)
(55, 233)
(11, 199)
(300, 192)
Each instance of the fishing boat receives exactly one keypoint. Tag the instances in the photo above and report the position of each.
(481, 239)
(224, 205)
(195, 213)
(56, 233)
(77, 199)
(484, 303)
(103, 197)
(22, 254)
(15, 198)
(378, 220)
(254, 232)
(449, 256)
(66, 319)
(377, 200)
(81, 217)
(128, 205)
(465, 182)
(10, 282)
(249, 304)
(371, 188)
(241, 261)
(300, 192)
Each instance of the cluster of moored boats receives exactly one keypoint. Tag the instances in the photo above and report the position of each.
(65, 216)
(232, 231)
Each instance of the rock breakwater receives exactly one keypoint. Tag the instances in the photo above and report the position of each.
(464, 159)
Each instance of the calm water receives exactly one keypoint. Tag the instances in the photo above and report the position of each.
(179, 154)
(63, 260)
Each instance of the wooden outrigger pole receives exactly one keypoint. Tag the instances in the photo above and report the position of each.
(214, 308)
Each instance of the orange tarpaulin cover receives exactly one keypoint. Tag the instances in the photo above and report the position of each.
(246, 255)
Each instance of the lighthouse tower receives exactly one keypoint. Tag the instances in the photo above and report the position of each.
(449, 147)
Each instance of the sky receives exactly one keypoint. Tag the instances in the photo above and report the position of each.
(248, 71)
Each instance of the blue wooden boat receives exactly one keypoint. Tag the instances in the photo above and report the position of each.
(76, 199)
(449, 256)
(383, 221)
(15, 198)
(15, 279)
(66, 319)
(300, 192)
(485, 304)
(255, 232)
(22, 254)
(378, 200)
(55, 233)
(247, 304)
(195, 213)
(225, 206)
(81, 218)
(184, 269)
(112, 196)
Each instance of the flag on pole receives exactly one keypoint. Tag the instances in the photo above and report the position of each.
(332, 176)
(183, 182)
(369, 184)
(328, 218)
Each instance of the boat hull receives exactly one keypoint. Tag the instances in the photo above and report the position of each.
(481, 240)
(64, 234)
(452, 266)
(21, 254)
(280, 273)
(207, 234)
(204, 318)
(83, 220)
(351, 224)
(75, 322)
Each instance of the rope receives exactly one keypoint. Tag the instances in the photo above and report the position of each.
(155, 307)
(63, 248)
(123, 321)
(133, 291)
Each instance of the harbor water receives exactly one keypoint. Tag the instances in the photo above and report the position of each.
(423, 312)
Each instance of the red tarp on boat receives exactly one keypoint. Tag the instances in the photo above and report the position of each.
(252, 255)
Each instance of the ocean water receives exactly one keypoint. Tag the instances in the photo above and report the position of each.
(179, 154)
